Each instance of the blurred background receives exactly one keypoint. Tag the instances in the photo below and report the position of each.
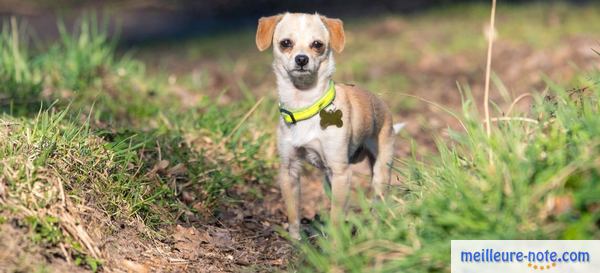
(421, 48)
(145, 21)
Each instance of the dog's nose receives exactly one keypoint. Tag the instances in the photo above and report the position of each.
(301, 60)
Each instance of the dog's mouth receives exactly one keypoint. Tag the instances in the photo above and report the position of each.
(301, 71)
(302, 78)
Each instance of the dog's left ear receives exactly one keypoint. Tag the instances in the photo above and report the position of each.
(264, 33)
(336, 31)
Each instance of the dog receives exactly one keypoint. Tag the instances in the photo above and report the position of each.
(328, 124)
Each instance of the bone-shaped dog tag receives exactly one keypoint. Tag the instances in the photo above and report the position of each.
(333, 117)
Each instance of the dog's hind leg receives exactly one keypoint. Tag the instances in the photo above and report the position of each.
(383, 160)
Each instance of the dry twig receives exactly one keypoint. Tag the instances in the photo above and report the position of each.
(486, 103)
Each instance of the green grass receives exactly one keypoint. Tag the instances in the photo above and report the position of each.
(20, 81)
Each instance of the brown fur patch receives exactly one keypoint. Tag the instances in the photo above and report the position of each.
(264, 33)
(336, 30)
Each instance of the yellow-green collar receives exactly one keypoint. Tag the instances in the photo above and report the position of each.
(293, 116)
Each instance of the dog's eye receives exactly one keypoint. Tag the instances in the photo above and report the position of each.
(317, 44)
(286, 43)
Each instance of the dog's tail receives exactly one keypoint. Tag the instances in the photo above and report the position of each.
(398, 127)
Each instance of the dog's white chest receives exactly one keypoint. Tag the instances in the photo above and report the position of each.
(305, 136)
(304, 132)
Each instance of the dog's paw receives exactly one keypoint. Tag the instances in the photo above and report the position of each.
(294, 232)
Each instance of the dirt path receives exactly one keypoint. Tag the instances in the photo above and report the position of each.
(243, 236)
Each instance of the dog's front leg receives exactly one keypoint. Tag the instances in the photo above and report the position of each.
(340, 187)
(289, 182)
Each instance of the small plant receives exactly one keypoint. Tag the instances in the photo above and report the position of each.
(44, 230)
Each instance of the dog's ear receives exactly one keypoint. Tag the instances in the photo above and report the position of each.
(264, 32)
(336, 31)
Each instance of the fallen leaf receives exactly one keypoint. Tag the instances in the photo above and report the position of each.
(222, 239)
(187, 241)
(557, 205)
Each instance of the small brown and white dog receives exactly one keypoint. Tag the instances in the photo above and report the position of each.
(329, 125)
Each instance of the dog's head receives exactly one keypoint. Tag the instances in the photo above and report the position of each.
(302, 44)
